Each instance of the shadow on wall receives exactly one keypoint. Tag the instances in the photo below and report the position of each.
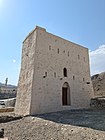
(94, 119)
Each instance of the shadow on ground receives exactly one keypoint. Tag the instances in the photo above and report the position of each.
(94, 119)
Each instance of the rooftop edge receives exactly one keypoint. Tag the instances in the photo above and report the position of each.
(37, 27)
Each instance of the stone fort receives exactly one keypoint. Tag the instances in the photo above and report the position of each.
(54, 75)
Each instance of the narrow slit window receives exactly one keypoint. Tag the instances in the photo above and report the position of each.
(46, 74)
(65, 72)
(83, 79)
(68, 53)
(78, 56)
(58, 51)
(73, 77)
(49, 47)
(55, 74)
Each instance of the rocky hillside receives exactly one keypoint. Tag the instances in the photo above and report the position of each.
(98, 81)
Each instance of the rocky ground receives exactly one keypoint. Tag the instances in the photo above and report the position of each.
(65, 125)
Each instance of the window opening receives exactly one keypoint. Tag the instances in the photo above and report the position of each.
(46, 74)
(49, 47)
(58, 51)
(65, 72)
(78, 56)
(55, 74)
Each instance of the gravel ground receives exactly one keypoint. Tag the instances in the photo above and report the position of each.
(65, 125)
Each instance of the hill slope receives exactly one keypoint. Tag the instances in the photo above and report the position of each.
(98, 81)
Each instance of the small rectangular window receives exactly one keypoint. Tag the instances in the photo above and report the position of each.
(49, 47)
(55, 74)
(73, 77)
(65, 72)
(83, 79)
(46, 74)
(68, 53)
(78, 56)
(58, 51)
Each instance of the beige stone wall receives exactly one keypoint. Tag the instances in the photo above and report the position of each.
(47, 92)
(24, 91)
(39, 93)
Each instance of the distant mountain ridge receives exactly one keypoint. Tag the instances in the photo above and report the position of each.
(1, 84)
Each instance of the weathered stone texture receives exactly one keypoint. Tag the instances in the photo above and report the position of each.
(44, 57)
(98, 81)
(26, 76)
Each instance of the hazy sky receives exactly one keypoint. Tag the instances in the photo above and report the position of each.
(80, 21)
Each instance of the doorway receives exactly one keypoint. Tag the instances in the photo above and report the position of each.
(66, 94)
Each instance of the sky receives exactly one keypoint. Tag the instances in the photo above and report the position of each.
(80, 21)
